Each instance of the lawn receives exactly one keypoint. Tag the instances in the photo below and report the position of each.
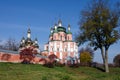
(12, 71)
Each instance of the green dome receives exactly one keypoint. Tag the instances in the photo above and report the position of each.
(61, 29)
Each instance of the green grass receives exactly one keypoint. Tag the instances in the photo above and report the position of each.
(10, 71)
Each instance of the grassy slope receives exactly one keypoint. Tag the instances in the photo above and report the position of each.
(9, 71)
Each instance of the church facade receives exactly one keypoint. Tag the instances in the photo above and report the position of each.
(61, 44)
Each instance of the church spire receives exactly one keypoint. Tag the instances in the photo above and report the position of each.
(23, 40)
(29, 33)
(55, 26)
(36, 41)
(59, 23)
(69, 32)
(69, 27)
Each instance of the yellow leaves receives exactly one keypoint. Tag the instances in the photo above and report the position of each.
(85, 57)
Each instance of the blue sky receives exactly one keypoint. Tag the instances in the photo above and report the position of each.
(41, 15)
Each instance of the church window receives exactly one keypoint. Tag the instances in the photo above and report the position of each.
(60, 37)
(57, 49)
(65, 49)
(47, 48)
(52, 49)
(68, 37)
(65, 37)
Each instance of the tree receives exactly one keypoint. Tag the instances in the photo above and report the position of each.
(99, 27)
(116, 60)
(27, 54)
(86, 56)
(11, 44)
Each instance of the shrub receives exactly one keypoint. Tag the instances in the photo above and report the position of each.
(86, 56)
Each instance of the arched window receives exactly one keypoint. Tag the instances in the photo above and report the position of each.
(65, 37)
(52, 48)
(68, 37)
(65, 49)
(58, 49)
(47, 48)
(61, 37)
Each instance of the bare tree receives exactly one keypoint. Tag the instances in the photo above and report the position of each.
(11, 44)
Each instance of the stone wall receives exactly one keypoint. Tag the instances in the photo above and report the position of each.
(15, 58)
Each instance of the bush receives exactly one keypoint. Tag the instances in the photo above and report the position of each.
(86, 56)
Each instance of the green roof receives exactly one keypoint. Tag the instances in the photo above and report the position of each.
(69, 32)
(61, 29)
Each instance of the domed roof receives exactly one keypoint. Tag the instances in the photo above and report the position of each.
(61, 29)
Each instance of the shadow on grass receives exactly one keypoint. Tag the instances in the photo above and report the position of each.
(100, 68)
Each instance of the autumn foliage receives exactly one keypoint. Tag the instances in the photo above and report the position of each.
(27, 54)
(86, 56)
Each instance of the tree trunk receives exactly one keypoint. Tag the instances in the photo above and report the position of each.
(103, 55)
(106, 61)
